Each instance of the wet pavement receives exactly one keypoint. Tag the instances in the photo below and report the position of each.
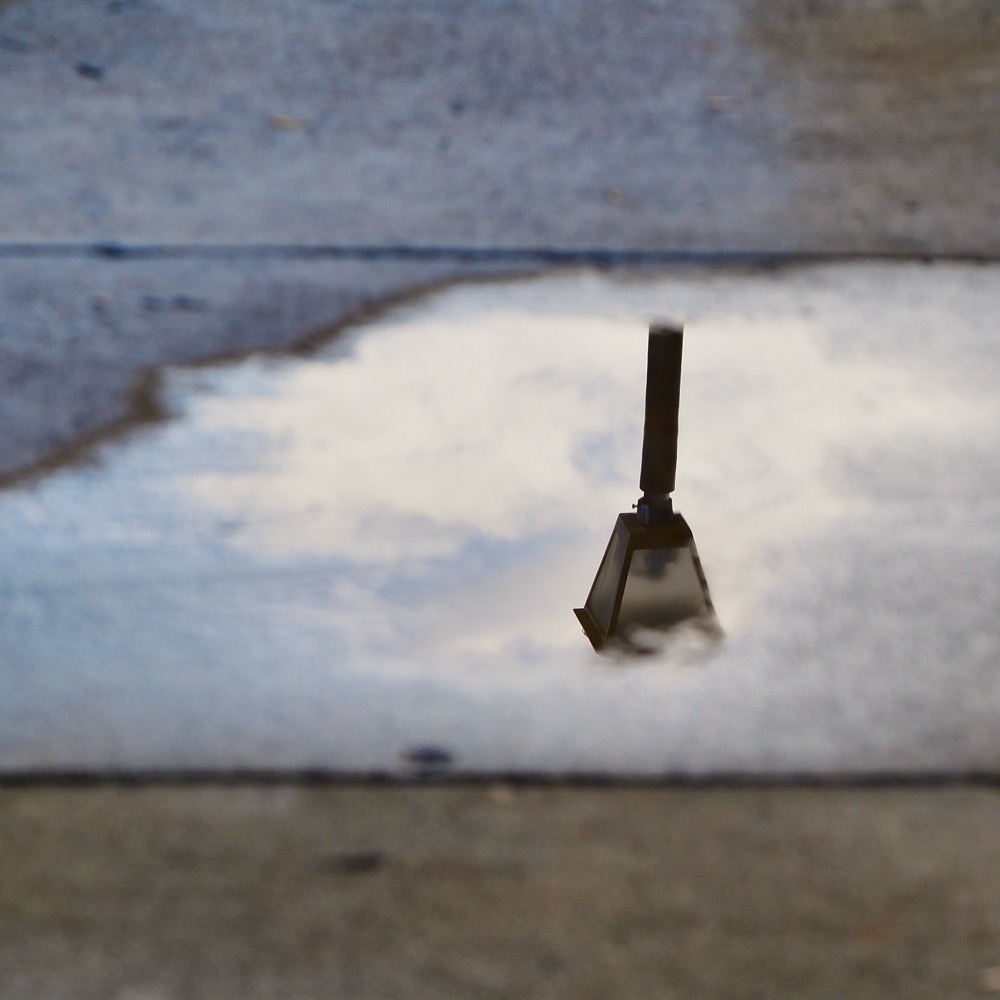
(188, 181)
(328, 561)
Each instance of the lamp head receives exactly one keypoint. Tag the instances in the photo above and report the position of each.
(650, 577)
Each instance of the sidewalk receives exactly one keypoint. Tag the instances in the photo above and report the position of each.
(184, 181)
(495, 891)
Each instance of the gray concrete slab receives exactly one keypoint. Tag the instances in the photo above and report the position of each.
(727, 125)
(79, 336)
(168, 893)
(770, 125)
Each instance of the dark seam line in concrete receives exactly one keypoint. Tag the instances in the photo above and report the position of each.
(444, 777)
(601, 256)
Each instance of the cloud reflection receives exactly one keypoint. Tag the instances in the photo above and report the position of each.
(467, 444)
(428, 435)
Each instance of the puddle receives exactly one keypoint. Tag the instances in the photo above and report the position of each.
(338, 561)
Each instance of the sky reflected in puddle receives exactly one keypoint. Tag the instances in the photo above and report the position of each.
(330, 561)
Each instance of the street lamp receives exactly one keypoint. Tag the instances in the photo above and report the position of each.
(650, 578)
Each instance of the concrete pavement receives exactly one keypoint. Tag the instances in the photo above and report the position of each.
(371, 130)
(722, 126)
(499, 891)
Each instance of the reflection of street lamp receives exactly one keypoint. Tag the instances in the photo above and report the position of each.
(651, 577)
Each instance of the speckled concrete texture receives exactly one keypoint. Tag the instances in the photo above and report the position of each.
(496, 891)
(80, 337)
(770, 126)
(761, 125)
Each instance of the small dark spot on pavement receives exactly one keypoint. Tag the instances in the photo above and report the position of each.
(11, 44)
(550, 964)
(185, 303)
(110, 251)
(353, 863)
(428, 757)
(89, 71)
(181, 303)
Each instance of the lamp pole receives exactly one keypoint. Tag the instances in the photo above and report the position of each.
(659, 435)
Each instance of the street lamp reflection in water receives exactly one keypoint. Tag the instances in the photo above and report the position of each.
(650, 580)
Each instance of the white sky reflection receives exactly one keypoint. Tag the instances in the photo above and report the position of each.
(325, 562)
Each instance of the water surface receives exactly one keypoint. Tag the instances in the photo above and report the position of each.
(334, 561)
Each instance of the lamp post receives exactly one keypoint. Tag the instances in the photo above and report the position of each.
(651, 577)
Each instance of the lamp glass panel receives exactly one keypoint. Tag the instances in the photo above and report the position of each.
(663, 589)
(601, 603)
